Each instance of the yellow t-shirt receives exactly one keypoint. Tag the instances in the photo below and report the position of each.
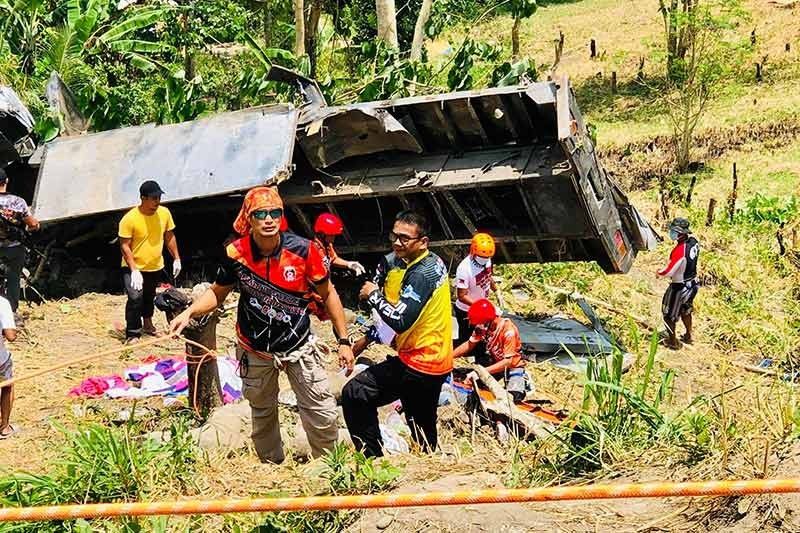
(147, 237)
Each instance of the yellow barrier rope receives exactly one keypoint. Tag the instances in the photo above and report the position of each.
(326, 503)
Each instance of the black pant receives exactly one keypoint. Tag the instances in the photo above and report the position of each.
(382, 384)
(464, 329)
(14, 259)
(140, 303)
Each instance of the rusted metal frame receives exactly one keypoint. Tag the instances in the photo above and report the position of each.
(474, 115)
(520, 113)
(303, 219)
(534, 216)
(437, 208)
(509, 120)
(345, 232)
(449, 130)
(578, 244)
(462, 215)
(407, 121)
(496, 211)
(504, 221)
(450, 242)
(562, 109)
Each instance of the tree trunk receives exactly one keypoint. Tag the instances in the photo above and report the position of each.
(267, 22)
(515, 38)
(312, 29)
(299, 29)
(419, 29)
(387, 22)
(712, 204)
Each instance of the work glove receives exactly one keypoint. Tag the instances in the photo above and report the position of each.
(357, 268)
(176, 268)
(473, 378)
(137, 281)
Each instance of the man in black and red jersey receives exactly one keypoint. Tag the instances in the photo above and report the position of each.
(275, 273)
(682, 271)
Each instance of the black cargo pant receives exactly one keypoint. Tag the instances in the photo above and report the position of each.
(140, 303)
(382, 384)
(13, 257)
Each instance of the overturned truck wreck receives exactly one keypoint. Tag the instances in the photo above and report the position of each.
(515, 161)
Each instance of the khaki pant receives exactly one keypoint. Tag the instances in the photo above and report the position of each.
(315, 402)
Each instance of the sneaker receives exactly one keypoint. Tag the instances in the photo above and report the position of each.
(132, 340)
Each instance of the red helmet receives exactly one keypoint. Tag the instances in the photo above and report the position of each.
(328, 224)
(481, 312)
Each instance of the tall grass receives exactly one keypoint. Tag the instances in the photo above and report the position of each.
(617, 415)
(100, 464)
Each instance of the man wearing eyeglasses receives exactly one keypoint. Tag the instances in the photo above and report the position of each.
(143, 231)
(275, 273)
(421, 320)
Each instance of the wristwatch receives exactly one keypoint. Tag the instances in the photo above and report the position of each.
(344, 341)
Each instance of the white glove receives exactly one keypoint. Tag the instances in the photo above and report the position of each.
(137, 281)
(357, 268)
(176, 268)
(473, 378)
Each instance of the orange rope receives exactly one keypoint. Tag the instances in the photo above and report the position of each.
(77, 360)
(325, 503)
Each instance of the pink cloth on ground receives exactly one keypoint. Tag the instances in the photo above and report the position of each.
(96, 386)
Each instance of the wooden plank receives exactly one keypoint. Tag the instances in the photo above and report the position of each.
(462, 215)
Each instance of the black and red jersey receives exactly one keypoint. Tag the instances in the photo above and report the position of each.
(682, 265)
(275, 291)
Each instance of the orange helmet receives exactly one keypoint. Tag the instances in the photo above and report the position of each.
(482, 245)
(328, 224)
(481, 312)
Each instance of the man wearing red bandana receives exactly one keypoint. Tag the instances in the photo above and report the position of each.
(276, 273)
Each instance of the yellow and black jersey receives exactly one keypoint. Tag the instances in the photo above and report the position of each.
(415, 303)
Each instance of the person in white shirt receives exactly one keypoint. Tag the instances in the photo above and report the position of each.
(473, 282)
(6, 367)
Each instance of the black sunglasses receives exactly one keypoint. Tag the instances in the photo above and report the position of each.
(404, 239)
(262, 214)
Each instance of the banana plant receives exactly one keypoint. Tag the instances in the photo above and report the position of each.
(91, 29)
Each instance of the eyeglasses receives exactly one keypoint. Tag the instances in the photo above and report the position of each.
(262, 214)
(404, 239)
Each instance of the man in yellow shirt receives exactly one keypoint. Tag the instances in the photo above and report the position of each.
(143, 231)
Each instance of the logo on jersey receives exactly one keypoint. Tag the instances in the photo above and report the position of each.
(410, 293)
(694, 251)
(289, 273)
